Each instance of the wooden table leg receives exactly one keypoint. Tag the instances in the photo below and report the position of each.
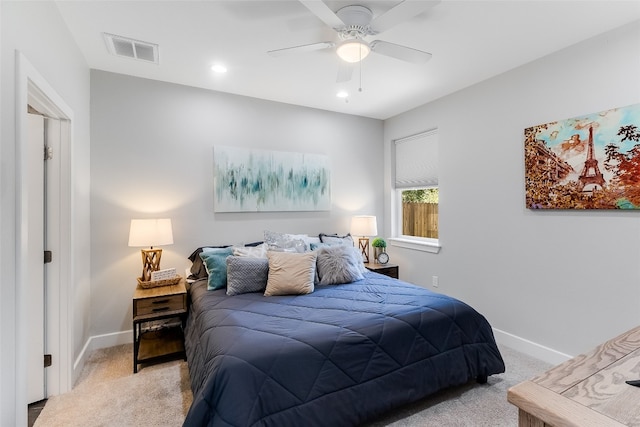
(525, 419)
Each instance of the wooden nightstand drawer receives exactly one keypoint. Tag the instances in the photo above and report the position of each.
(390, 270)
(158, 305)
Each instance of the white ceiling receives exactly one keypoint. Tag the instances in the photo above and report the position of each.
(470, 42)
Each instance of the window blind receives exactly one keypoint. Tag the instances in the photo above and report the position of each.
(416, 160)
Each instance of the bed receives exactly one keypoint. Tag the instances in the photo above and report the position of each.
(339, 356)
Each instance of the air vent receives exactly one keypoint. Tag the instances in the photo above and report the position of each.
(130, 48)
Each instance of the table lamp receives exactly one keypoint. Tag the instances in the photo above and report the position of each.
(150, 232)
(364, 226)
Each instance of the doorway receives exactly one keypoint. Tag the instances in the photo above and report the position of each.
(32, 89)
(43, 136)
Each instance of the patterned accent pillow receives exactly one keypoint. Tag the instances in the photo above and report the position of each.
(290, 273)
(283, 242)
(246, 274)
(338, 264)
(215, 261)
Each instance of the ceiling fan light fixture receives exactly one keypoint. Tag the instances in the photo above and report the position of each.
(353, 50)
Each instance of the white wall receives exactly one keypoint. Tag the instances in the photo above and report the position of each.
(152, 155)
(566, 280)
(37, 30)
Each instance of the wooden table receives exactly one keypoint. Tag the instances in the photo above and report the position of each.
(588, 390)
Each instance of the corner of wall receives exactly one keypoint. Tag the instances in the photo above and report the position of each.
(97, 342)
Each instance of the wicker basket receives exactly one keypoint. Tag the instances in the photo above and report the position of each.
(157, 283)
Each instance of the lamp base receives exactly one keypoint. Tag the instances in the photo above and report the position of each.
(363, 244)
(150, 262)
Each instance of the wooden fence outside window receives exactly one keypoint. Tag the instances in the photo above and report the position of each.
(420, 219)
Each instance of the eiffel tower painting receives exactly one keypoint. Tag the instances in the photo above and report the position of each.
(566, 169)
(590, 172)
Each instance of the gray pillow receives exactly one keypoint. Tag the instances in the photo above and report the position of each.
(246, 274)
(338, 264)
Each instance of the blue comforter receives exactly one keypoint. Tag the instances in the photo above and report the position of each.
(337, 357)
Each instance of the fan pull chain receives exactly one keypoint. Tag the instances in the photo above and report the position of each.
(360, 68)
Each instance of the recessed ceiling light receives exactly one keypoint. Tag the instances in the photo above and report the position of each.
(219, 68)
(342, 94)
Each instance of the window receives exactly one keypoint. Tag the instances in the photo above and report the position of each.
(420, 212)
(416, 188)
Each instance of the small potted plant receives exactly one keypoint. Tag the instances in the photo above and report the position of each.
(379, 246)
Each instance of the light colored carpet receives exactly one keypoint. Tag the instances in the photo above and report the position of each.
(473, 404)
(109, 394)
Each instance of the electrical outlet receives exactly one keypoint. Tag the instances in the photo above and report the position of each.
(434, 281)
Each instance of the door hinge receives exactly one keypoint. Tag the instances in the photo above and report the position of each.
(47, 360)
(48, 152)
(48, 257)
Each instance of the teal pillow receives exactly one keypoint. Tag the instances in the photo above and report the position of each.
(215, 262)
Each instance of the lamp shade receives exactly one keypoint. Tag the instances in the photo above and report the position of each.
(364, 225)
(150, 232)
(353, 50)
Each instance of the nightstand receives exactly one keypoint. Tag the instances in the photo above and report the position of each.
(390, 270)
(158, 317)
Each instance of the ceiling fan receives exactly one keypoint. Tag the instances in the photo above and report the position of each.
(354, 24)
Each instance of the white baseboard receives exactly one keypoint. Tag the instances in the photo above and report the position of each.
(530, 348)
(96, 342)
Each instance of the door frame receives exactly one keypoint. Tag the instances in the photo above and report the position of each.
(31, 87)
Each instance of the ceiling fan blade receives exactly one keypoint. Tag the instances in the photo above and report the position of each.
(323, 12)
(397, 51)
(345, 71)
(400, 13)
(301, 49)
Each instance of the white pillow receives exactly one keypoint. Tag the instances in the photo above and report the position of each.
(290, 273)
(259, 251)
(311, 240)
(336, 239)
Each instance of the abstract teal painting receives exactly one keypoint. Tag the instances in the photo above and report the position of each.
(252, 180)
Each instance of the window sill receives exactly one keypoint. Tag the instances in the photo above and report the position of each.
(417, 245)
